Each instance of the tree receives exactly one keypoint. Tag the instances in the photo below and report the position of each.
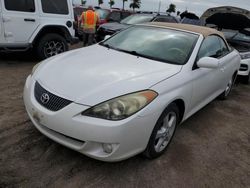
(83, 2)
(111, 3)
(100, 2)
(135, 4)
(171, 8)
(189, 15)
(123, 3)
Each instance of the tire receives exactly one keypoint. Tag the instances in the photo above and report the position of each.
(50, 45)
(161, 137)
(245, 79)
(227, 91)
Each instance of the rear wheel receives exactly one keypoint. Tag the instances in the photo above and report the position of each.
(50, 45)
(163, 132)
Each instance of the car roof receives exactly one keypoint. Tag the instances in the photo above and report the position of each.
(205, 31)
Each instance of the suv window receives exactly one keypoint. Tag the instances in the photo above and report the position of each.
(20, 5)
(212, 46)
(55, 6)
(165, 19)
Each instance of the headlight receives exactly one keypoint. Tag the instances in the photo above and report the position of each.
(245, 56)
(122, 107)
(34, 68)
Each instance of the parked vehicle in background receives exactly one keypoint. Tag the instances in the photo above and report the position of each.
(44, 25)
(240, 40)
(111, 28)
(131, 91)
(235, 23)
(105, 16)
(112, 15)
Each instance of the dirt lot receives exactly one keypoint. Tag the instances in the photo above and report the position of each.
(212, 149)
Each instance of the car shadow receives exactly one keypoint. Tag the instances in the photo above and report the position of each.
(18, 57)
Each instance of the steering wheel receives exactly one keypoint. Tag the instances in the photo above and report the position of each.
(177, 54)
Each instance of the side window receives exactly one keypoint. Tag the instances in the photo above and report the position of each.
(165, 19)
(20, 5)
(224, 48)
(211, 47)
(55, 6)
(115, 16)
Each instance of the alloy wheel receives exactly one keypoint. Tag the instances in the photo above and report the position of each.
(165, 132)
(52, 48)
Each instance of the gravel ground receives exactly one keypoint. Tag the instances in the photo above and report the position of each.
(211, 149)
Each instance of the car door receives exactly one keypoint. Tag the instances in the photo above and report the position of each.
(20, 20)
(207, 82)
(226, 63)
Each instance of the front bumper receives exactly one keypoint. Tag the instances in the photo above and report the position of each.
(244, 67)
(86, 134)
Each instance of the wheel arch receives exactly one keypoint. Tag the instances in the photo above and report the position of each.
(57, 29)
(235, 75)
(181, 106)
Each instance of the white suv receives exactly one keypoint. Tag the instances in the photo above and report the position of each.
(44, 25)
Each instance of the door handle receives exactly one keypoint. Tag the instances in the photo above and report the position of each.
(29, 20)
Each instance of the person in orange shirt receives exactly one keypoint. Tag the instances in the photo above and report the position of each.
(89, 20)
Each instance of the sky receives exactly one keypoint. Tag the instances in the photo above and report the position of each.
(195, 6)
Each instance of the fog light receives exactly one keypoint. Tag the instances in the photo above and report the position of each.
(107, 148)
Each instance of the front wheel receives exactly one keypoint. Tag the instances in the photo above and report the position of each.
(50, 45)
(163, 132)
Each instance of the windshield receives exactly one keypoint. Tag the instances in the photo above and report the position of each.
(242, 37)
(236, 35)
(160, 44)
(137, 19)
(102, 13)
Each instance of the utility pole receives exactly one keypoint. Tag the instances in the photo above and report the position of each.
(159, 8)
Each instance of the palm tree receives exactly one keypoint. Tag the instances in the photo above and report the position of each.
(100, 2)
(123, 3)
(171, 8)
(111, 3)
(135, 4)
(83, 2)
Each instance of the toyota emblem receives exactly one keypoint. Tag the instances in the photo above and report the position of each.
(45, 98)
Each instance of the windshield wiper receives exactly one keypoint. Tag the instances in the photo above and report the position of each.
(133, 52)
(106, 45)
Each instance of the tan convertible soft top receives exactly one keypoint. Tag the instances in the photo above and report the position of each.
(205, 31)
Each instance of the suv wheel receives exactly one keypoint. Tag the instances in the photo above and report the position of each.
(50, 45)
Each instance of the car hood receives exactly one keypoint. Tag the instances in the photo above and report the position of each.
(95, 74)
(114, 26)
(227, 17)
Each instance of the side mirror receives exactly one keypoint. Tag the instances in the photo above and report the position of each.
(208, 62)
(106, 37)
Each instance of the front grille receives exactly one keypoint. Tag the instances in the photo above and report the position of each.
(243, 67)
(49, 100)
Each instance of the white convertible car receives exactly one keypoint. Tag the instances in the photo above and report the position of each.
(127, 94)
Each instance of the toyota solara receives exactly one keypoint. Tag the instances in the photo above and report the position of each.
(127, 94)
